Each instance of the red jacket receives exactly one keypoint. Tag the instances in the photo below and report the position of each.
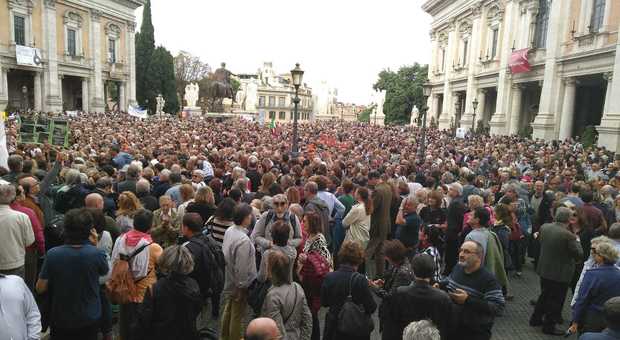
(37, 229)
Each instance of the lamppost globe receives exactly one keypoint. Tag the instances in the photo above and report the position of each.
(298, 75)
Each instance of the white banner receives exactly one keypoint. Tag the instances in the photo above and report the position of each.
(72, 113)
(4, 153)
(27, 56)
(261, 117)
(138, 112)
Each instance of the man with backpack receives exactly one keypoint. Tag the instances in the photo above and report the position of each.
(133, 269)
(317, 205)
(208, 259)
(261, 234)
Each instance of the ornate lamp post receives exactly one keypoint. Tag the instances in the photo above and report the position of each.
(474, 104)
(297, 74)
(426, 91)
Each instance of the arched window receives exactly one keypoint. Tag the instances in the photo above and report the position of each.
(73, 33)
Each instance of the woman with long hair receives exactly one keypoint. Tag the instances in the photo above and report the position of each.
(128, 205)
(357, 221)
(502, 227)
(187, 197)
(310, 267)
(203, 204)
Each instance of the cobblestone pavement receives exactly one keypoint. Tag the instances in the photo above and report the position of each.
(512, 325)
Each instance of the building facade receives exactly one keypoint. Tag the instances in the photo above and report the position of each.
(273, 94)
(325, 99)
(67, 54)
(347, 111)
(572, 50)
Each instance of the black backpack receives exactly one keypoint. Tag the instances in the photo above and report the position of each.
(271, 215)
(213, 258)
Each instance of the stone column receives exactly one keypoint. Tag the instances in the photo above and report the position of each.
(447, 111)
(53, 98)
(568, 109)
(498, 123)
(472, 88)
(85, 95)
(131, 62)
(4, 88)
(515, 111)
(97, 103)
(122, 100)
(544, 126)
(38, 96)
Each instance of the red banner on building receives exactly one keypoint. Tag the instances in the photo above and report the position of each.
(518, 61)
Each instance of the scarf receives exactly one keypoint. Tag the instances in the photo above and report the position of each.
(133, 236)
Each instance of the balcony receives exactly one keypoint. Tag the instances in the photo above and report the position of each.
(78, 60)
(116, 69)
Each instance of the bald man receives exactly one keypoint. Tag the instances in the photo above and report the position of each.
(262, 329)
(95, 201)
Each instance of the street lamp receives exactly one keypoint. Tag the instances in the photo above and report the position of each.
(297, 74)
(474, 104)
(426, 92)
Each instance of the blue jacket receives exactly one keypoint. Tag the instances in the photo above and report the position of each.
(599, 285)
(606, 334)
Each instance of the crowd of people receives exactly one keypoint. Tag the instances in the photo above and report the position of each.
(164, 224)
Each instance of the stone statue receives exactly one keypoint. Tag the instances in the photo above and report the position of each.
(379, 100)
(415, 113)
(251, 96)
(191, 94)
(161, 102)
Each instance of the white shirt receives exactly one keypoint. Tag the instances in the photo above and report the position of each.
(19, 315)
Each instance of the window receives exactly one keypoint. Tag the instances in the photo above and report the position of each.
(112, 51)
(261, 101)
(272, 115)
(281, 102)
(598, 15)
(494, 38)
(542, 24)
(282, 115)
(272, 101)
(71, 45)
(465, 47)
(19, 27)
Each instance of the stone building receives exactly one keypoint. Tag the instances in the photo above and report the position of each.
(481, 50)
(273, 93)
(347, 111)
(67, 54)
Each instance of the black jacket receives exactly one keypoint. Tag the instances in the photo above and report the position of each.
(334, 292)
(149, 202)
(160, 188)
(415, 302)
(169, 311)
(200, 273)
(204, 210)
(127, 185)
(455, 214)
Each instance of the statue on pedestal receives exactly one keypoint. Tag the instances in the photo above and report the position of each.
(160, 103)
(220, 88)
(415, 113)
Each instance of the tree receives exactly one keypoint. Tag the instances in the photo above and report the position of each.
(145, 45)
(364, 116)
(161, 80)
(188, 69)
(404, 90)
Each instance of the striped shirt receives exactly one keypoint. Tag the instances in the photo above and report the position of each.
(217, 228)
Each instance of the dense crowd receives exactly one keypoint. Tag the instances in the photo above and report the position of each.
(172, 223)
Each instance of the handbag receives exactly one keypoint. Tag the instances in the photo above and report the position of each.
(352, 318)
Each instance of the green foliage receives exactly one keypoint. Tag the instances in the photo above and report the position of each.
(145, 45)
(589, 136)
(364, 116)
(404, 90)
(161, 79)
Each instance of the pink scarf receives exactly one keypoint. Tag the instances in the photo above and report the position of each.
(133, 236)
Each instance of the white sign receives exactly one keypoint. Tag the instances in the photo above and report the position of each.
(27, 56)
(72, 113)
(460, 132)
(4, 153)
(138, 112)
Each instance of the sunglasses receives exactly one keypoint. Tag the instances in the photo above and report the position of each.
(279, 204)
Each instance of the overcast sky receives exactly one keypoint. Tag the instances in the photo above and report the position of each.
(344, 42)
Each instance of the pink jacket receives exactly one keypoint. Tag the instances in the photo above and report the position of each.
(37, 229)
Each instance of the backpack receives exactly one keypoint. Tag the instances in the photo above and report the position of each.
(352, 318)
(121, 286)
(315, 268)
(213, 258)
(271, 216)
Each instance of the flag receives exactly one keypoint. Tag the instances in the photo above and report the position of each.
(137, 112)
(518, 62)
(272, 125)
